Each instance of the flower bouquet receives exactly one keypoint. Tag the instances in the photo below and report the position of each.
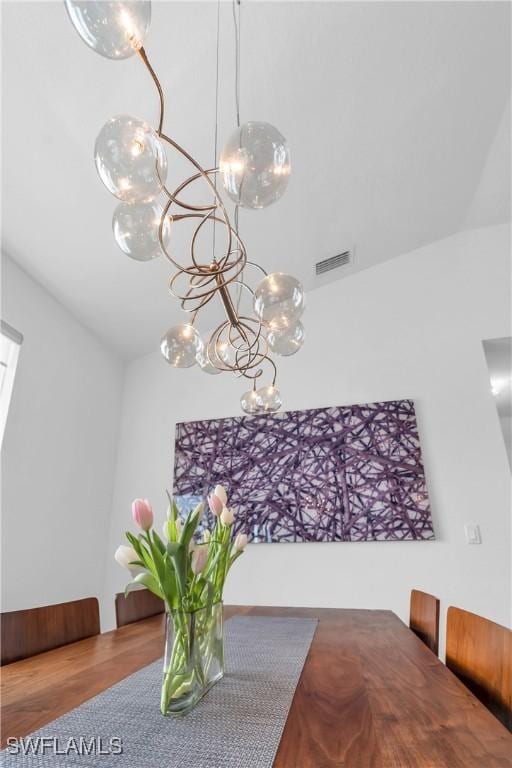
(189, 576)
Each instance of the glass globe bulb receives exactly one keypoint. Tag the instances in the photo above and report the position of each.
(279, 301)
(130, 159)
(255, 165)
(115, 29)
(136, 228)
(268, 399)
(222, 355)
(181, 345)
(226, 353)
(205, 364)
(286, 342)
(249, 402)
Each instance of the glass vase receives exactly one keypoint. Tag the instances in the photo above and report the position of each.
(194, 657)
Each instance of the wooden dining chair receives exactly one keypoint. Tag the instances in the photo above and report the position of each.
(424, 618)
(137, 605)
(479, 652)
(34, 630)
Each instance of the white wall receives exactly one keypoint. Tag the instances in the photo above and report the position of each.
(412, 328)
(59, 451)
(506, 428)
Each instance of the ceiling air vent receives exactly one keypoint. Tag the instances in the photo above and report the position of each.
(333, 262)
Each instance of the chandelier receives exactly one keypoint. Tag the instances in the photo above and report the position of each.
(254, 168)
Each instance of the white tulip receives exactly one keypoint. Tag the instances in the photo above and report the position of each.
(199, 559)
(240, 542)
(221, 494)
(227, 516)
(126, 555)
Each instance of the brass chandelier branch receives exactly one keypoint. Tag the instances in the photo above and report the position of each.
(143, 56)
(243, 335)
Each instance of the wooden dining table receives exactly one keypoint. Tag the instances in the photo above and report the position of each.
(371, 694)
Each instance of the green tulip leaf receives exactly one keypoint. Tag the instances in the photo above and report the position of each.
(148, 581)
(159, 542)
(190, 525)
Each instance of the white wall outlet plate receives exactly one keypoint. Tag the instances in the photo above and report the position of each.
(472, 534)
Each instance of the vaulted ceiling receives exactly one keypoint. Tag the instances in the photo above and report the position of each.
(396, 115)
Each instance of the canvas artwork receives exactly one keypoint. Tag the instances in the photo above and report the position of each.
(346, 473)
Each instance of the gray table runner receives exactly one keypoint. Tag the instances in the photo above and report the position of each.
(238, 724)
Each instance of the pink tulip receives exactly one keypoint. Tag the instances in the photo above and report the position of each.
(142, 514)
(220, 491)
(199, 559)
(215, 505)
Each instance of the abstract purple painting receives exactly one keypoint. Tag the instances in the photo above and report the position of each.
(347, 473)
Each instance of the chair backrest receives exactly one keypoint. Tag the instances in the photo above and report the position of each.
(424, 618)
(34, 630)
(479, 652)
(138, 604)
